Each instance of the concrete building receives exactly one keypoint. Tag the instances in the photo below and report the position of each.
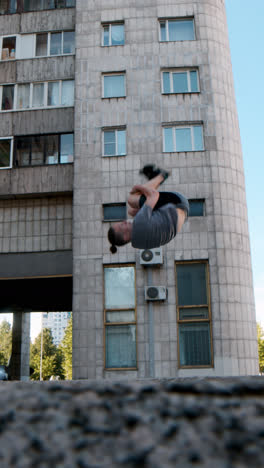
(57, 322)
(153, 83)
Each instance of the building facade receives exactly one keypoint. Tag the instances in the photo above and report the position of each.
(130, 83)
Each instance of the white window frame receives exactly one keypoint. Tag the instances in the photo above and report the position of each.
(175, 20)
(174, 127)
(49, 42)
(116, 130)
(19, 45)
(113, 23)
(11, 152)
(45, 105)
(103, 84)
(178, 70)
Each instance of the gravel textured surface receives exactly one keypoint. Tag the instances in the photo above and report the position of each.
(212, 423)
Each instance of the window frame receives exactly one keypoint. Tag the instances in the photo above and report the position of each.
(195, 320)
(182, 126)
(10, 153)
(116, 130)
(59, 135)
(45, 96)
(173, 71)
(49, 33)
(33, 45)
(105, 75)
(176, 20)
(113, 205)
(110, 24)
(123, 309)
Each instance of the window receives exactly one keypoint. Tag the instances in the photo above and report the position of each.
(6, 153)
(183, 138)
(53, 93)
(23, 95)
(114, 211)
(14, 6)
(7, 97)
(59, 43)
(43, 149)
(37, 5)
(55, 43)
(196, 207)
(120, 317)
(114, 142)
(113, 34)
(184, 81)
(114, 85)
(41, 44)
(193, 314)
(8, 6)
(177, 30)
(35, 95)
(8, 48)
(38, 95)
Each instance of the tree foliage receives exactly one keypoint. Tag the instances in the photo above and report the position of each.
(51, 357)
(260, 347)
(5, 342)
(66, 349)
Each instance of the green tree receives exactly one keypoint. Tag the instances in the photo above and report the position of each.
(51, 357)
(66, 349)
(260, 347)
(5, 342)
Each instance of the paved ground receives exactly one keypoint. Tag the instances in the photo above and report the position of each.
(212, 423)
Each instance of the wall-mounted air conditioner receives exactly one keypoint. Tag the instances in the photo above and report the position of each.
(155, 293)
(151, 256)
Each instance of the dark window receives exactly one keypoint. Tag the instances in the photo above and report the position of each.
(196, 207)
(17, 6)
(44, 149)
(5, 153)
(9, 48)
(41, 44)
(193, 314)
(114, 212)
(8, 6)
(7, 97)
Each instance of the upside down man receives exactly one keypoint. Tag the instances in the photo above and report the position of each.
(157, 216)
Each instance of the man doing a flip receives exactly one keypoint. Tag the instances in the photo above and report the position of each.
(157, 216)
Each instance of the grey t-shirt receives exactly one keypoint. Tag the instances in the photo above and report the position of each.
(153, 228)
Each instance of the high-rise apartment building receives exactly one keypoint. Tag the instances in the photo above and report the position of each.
(90, 92)
(57, 322)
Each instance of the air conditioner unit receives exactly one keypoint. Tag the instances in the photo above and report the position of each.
(151, 256)
(155, 293)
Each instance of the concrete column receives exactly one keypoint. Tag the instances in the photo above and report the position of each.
(19, 362)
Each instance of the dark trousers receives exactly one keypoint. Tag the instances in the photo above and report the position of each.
(169, 197)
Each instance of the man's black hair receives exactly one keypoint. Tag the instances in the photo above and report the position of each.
(115, 239)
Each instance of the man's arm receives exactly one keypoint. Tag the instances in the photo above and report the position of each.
(151, 195)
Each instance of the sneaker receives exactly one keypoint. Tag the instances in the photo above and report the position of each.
(150, 171)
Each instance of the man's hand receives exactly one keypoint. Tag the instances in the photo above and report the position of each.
(151, 194)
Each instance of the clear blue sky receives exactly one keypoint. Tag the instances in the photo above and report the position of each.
(246, 35)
